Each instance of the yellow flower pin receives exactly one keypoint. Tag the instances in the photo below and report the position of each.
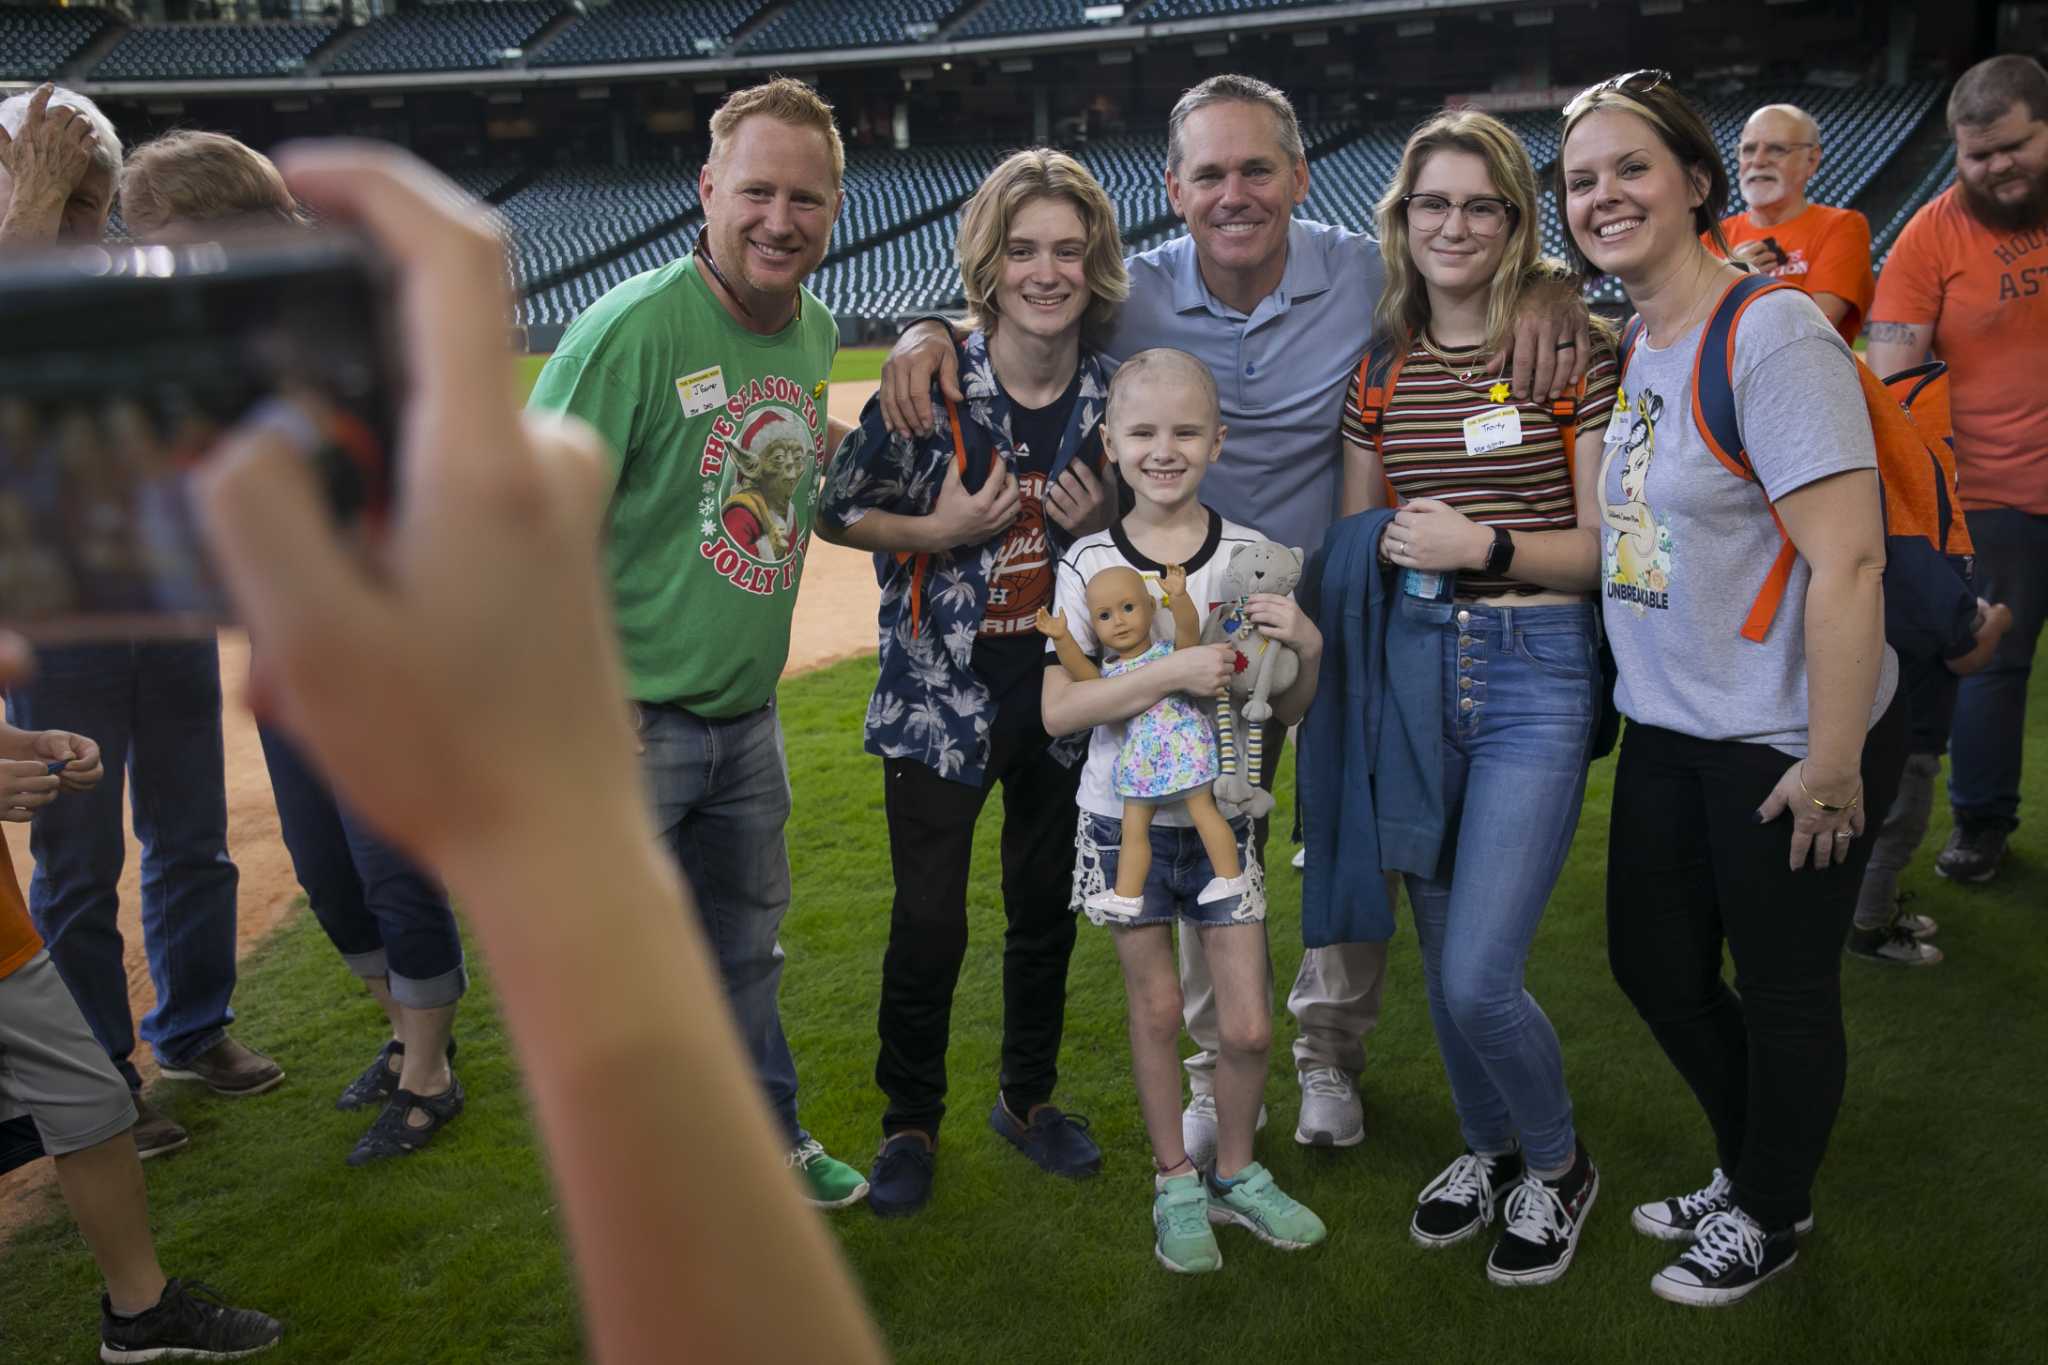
(1498, 393)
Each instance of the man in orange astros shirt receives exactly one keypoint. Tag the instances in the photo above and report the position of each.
(1968, 279)
(1825, 251)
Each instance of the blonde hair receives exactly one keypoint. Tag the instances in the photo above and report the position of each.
(1169, 363)
(193, 177)
(1040, 173)
(786, 100)
(1404, 301)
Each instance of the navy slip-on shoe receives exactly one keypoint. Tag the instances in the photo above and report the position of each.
(901, 1181)
(1055, 1141)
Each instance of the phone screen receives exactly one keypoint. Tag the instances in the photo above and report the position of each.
(120, 367)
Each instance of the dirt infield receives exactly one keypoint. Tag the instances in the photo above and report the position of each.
(835, 620)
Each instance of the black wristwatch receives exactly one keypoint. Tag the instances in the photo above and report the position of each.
(1501, 553)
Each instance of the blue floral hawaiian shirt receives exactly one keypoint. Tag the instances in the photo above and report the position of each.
(929, 704)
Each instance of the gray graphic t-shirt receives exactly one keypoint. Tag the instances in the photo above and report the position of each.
(1686, 543)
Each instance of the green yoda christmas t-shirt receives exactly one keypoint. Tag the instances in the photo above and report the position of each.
(717, 437)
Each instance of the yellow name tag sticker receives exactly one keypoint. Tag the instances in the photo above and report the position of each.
(701, 392)
(1492, 430)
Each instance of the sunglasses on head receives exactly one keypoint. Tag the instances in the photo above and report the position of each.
(1633, 83)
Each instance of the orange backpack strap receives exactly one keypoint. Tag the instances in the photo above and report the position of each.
(1378, 372)
(917, 570)
(1714, 416)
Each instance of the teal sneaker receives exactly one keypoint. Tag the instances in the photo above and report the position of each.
(1254, 1202)
(1180, 1223)
(828, 1182)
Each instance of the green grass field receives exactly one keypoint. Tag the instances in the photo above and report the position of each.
(1931, 1208)
(853, 363)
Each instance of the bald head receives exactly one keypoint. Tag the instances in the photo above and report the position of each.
(1776, 157)
(1165, 366)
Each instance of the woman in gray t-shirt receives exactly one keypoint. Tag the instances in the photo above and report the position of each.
(1738, 718)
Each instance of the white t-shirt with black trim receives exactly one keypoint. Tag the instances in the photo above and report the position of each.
(1111, 549)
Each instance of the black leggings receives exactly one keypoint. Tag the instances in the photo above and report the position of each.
(1688, 867)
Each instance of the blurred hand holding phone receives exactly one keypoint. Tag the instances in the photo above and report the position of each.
(122, 364)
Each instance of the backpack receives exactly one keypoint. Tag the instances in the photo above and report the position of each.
(1378, 373)
(1927, 544)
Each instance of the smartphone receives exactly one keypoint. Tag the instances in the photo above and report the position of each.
(120, 368)
(1771, 244)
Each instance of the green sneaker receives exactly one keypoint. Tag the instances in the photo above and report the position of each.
(829, 1183)
(1253, 1201)
(1180, 1220)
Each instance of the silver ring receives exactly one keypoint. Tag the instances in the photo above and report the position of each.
(1844, 834)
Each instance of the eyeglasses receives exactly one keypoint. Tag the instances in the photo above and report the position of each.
(1769, 151)
(1485, 215)
(1632, 83)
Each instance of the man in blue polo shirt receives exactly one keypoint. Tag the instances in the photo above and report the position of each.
(1280, 309)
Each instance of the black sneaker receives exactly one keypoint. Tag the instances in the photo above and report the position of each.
(901, 1181)
(1464, 1199)
(1543, 1220)
(1678, 1219)
(1972, 853)
(190, 1322)
(1731, 1256)
(1893, 944)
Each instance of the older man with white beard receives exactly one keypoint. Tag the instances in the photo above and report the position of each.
(1823, 250)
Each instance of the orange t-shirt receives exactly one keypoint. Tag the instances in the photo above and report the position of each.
(18, 941)
(1985, 293)
(1827, 251)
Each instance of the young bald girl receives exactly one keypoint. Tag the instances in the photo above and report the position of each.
(1164, 431)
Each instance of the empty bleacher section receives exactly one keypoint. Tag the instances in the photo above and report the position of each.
(1203, 9)
(454, 36)
(182, 52)
(1860, 127)
(559, 304)
(574, 216)
(999, 17)
(808, 25)
(1131, 167)
(34, 43)
(1939, 177)
(647, 31)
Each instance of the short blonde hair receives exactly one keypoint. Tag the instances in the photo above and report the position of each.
(1165, 362)
(1404, 302)
(786, 100)
(1041, 173)
(192, 177)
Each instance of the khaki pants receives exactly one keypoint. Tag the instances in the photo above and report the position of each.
(1335, 1000)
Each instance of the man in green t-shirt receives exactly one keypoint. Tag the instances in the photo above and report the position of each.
(707, 379)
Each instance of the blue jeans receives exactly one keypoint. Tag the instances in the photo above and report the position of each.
(154, 709)
(383, 915)
(1991, 705)
(720, 790)
(1518, 719)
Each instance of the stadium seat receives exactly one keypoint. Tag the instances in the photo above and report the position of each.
(647, 30)
(182, 52)
(34, 43)
(455, 35)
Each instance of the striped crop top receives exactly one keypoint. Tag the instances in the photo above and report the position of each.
(1525, 487)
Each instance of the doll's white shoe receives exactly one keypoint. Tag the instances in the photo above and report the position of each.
(1221, 889)
(1108, 905)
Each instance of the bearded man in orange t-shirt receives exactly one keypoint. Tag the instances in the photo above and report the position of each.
(1968, 278)
(1825, 251)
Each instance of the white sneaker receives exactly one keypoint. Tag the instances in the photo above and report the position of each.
(1220, 888)
(1198, 1130)
(1107, 906)
(1331, 1115)
(1301, 858)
